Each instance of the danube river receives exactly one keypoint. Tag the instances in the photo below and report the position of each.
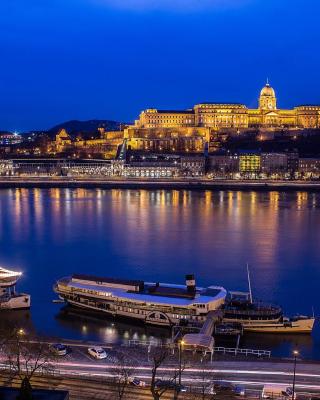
(160, 236)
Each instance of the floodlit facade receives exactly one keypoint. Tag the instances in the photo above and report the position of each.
(189, 130)
(249, 162)
(225, 115)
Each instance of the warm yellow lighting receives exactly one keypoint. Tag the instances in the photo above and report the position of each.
(21, 331)
(295, 353)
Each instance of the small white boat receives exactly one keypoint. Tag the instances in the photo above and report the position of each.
(9, 298)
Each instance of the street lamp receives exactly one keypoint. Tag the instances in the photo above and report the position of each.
(295, 354)
(21, 332)
(181, 343)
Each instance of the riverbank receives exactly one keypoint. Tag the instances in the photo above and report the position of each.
(177, 184)
(86, 377)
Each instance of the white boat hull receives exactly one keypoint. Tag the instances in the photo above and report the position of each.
(17, 302)
(304, 325)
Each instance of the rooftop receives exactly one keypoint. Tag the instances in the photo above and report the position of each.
(165, 293)
(115, 281)
(175, 111)
(37, 394)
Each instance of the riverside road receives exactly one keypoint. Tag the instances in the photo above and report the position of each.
(252, 374)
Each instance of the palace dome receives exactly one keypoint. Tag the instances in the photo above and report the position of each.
(267, 90)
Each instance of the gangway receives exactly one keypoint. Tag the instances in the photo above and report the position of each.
(212, 318)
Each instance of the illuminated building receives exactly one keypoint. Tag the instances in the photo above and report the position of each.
(188, 130)
(192, 165)
(157, 165)
(153, 118)
(105, 144)
(63, 141)
(186, 139)
(6, 167)
(309, 167)
(8, 138)
(249, 162)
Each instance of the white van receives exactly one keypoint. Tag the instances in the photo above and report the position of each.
(277, 391)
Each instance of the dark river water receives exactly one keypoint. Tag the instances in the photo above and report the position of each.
(160, 236)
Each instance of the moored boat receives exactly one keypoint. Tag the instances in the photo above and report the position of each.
(255, 316)
(9, 298)
(157, 303)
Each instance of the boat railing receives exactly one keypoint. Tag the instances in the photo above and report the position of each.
(5, 299)
(270, 311)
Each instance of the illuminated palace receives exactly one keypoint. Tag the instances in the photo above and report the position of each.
(189, 130)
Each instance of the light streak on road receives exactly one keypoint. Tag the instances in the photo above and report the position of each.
(194, 370)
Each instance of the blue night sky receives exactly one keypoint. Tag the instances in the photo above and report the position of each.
(109, 59)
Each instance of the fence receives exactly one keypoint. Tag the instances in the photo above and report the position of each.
(223, 350)
(246, 352)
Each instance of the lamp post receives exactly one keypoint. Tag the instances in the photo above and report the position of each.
(295, 353)
(181, 343)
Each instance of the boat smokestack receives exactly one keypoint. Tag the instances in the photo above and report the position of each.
(190, 283)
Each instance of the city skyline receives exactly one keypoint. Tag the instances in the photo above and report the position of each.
(110, 60)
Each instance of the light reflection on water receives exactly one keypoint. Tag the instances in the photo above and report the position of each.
(162, 235)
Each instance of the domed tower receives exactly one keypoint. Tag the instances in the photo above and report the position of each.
(267, 99)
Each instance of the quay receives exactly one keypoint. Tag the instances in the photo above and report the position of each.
(159, 183)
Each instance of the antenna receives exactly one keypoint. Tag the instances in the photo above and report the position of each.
(249, 283)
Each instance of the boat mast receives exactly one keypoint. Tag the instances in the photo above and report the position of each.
(249, 283)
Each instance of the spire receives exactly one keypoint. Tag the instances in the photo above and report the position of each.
(267, 84)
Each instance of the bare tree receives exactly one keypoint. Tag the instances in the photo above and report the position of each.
(122, 376)
(206, 386)
(159, 356)
(26, 356)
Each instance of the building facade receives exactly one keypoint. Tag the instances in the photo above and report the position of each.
(176, 139)
(274, 163)
(249, 162)
(239, 116)
(309, 167)
(223, 164)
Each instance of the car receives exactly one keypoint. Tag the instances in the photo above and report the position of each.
(223, 386)
(59, 349)
(170, 385)
(97, 352)
(210, 390)
(137, 382)
(239, 390)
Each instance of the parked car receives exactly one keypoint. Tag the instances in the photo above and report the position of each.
(137, 382)
(210, 390)
(223, 386)
(170, 385)
(59, 349)
(97, 352)
(239, 390)
(277, 390)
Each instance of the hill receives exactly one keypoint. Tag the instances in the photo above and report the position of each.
(85, 127)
